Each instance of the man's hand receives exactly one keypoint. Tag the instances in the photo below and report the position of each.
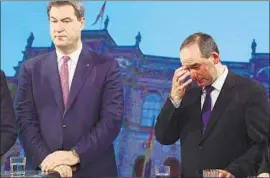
(217, 173)
(178, 84)
(224, 174)
(264, 175)
(63, 170)
(58, 158)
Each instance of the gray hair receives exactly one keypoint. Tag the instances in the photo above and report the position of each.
(206, 43)
(76, 4)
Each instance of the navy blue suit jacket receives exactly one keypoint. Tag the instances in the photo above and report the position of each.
(90, 122)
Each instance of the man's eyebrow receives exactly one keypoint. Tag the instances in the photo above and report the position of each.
(194, 64)
(66, 18)
(51, 17)
(190, 62)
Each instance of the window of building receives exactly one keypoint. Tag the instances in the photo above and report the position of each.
(151, 109)
(138, 167)
(175, 166)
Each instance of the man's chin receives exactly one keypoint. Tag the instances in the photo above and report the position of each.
(60, 45)
(202, 83)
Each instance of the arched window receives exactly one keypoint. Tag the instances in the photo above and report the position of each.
(151, 109)
(175, 166)
(138, 167)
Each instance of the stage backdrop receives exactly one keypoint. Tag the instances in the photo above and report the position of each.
(145, 38)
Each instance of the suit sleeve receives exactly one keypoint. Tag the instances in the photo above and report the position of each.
(265, 166)
(29, 132)
(7, 118)
(170, 122)
(257, 120)
(102, 136)
(167, 125)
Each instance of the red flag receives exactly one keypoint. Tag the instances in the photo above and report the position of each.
(100, 14)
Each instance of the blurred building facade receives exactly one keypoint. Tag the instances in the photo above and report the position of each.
(147, 82)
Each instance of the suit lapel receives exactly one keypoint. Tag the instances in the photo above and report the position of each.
(51, 70)
(83, 67)
(224, 97)
(195, 100)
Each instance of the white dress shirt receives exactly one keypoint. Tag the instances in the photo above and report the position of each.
(72, 63)
(217, 84)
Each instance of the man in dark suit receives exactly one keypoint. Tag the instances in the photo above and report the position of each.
(70, 102)
(7, 118)
(221, 120)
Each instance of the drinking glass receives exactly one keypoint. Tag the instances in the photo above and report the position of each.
(17, 166)
(162, 171)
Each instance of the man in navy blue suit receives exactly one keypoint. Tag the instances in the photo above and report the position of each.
(70, 102)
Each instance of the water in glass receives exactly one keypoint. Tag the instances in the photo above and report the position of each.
(17, 166)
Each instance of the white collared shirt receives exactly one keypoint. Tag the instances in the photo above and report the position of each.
(217, 84)
(72, 63)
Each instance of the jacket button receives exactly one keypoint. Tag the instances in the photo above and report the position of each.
(64, 125)
(200, 148)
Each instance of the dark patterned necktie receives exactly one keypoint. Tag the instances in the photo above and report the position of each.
(206, 110)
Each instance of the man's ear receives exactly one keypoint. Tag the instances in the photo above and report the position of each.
(215, 57)
(82, 20)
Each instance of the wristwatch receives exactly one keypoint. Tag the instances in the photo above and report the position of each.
(74, 152)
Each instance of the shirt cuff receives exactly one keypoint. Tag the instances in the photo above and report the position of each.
(176, 104)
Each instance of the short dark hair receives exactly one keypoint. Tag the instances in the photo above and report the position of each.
(206, 43)
(76, 4)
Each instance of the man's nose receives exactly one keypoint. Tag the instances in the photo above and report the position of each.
(193, 74)
(58, 27)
